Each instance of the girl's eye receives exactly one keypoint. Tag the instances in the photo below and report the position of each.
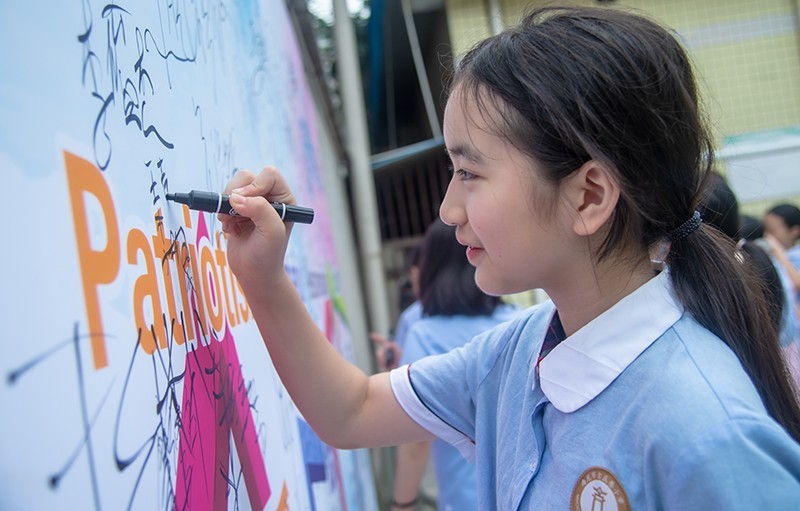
(464, 175)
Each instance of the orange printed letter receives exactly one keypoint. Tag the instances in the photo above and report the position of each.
(97, 266)
(146, 285)
(211, 289)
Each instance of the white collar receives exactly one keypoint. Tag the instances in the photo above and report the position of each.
(585, 363)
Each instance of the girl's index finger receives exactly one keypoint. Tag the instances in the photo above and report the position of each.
(269, 183)
(241, 179)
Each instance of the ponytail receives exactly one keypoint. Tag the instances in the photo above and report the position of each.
(725, 294)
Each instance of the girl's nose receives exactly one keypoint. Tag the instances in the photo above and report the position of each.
(451, 211)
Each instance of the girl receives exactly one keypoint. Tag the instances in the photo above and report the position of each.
(720, 209)
(782, 222)
(454, 311)
(782, 230)
(577, 148)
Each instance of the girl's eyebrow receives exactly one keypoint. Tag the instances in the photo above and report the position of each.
(464, 151)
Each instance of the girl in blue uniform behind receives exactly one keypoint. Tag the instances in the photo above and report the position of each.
(454, 311)
(578, 150)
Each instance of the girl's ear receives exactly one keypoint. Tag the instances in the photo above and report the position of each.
(593, 193)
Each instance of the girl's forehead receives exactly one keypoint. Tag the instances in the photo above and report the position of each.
(469, 127)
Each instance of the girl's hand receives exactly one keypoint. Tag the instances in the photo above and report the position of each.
(257, 238)
(775, 248)
(387, 352)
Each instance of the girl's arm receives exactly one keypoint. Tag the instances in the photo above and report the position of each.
(411, 462)
(780, 255)
(345, 407)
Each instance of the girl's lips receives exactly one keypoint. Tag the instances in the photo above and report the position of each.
(473, 252)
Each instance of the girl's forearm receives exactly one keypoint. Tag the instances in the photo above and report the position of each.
(346, 408)
(327, 389)
(791, 271)
(411, 462)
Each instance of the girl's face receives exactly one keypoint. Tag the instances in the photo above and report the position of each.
(776, 226)
(515, 242)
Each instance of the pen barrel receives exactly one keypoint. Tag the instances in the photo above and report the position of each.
(213, 202)
(208, 201)
(296, 214)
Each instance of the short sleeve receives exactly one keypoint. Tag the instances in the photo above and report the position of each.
(445, 393)
(440, 391)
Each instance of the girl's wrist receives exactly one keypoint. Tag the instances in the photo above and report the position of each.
(262, 293)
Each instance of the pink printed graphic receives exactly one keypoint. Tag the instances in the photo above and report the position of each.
(216, 406)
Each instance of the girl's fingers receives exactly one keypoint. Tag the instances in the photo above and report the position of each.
(231, 224)
(240, 179)
(249, 195)
(256, 209)
(268, 183)
(379, 339)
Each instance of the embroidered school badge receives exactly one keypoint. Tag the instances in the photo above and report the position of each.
(598, 490)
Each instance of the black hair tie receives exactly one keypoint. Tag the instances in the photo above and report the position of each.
(686, 228)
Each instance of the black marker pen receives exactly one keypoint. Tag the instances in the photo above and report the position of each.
(389, 358)
(214, 202)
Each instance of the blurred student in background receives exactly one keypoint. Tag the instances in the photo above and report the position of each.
(720, 208)
(388, 351)
(454, 311)
(782, 230)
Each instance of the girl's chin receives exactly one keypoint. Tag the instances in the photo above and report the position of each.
(489, 287)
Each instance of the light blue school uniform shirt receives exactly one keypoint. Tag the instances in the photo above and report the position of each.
(433, 335)
(408, 317)
(642, 408)
(789, 329)
(793, 253)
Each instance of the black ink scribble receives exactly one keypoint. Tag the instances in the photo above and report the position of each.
(117, 73)
(163, 437)
(217, 150)
(115, 30)
(85, 417)
(134, 111)
(100, 134)
(166, 55)
(86, 441)
(130, 79)
(55, 479)
(163, 180)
